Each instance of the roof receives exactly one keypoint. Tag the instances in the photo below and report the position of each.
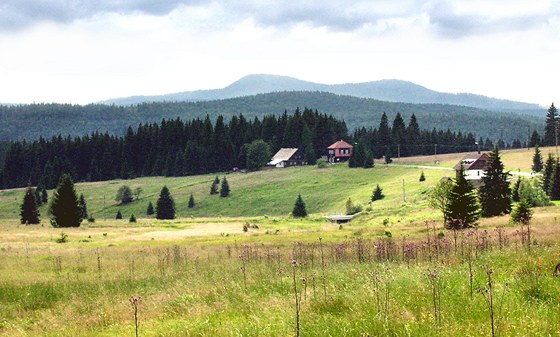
(282, 155)
(474, 161)
(340, 145)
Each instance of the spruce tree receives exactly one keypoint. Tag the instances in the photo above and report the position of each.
(44, 196)
(191, 201)
(214, 187)
(537, 160)
(554, 184)
(548, 172)
(369, 162)
(150, 209)
(165, 206)
(29, 212)
(550, 126)
(377, 194)
(132, 218)
(522, 213)
(119, 215)
(422, 177)
(495, 194)
(388, 155)
(224, 190)
(299, 210)
(64, 209)
(83, 207)
(37, 194)
(463, 210)
(515, 190)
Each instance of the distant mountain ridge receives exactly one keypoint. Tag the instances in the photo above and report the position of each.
(384, 90)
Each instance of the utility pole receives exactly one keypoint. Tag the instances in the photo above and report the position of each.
(403, 192)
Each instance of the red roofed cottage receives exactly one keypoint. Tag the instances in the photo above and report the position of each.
(339, 152)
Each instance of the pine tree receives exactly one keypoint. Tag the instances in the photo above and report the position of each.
(537, 160)
(522, 213)
(422, 177)
(554, 184)
(550, 126)
(64, 208)
(132, 218)
(29, 212)
(224, 190)
(377, 194)
(214, 187)
(37, 194)
(463, 210)
(191, 201)
(358, 157)
(299, 210)
(119, 215)
(150, 209)
(495, 195)
(515, 190)
(83, 207)
(165, 206)
(369, 162)
(548, 173)
(388, 155)
(44, 196)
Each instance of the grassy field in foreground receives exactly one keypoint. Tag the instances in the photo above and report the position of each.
(270, 192)
(200, 283)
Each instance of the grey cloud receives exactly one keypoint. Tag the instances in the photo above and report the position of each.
(334, 15)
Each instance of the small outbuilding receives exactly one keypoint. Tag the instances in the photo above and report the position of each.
(287, 157)
(339, 152)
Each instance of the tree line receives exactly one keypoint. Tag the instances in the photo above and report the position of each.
(199, 146)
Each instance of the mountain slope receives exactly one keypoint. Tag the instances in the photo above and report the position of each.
(385, 90)
(33, 121)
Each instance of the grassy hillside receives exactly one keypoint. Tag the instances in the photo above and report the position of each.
(270, 192)
(514, 160)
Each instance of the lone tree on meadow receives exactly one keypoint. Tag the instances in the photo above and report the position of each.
(299, 210)
(29, 212)
(495, 195)
(224, 190)
(422, 177)
(377, 194)
(537, 160)
(191, 201)
(165, 206)
(119, 215)
(150, 209)
(65, 210)
(463, 210)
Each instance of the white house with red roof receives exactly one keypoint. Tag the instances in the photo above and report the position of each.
(474, 166)
(339, 152)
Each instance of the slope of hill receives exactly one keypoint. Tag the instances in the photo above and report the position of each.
(385, 90)
(33, 121)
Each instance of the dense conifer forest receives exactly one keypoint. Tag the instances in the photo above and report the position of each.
(33, 121)
(178, 148)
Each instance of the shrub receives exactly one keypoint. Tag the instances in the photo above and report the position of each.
(124, 195)
(322, 163)
(132, 218)
(63, 238)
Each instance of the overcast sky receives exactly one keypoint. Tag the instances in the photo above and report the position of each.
(82, 51)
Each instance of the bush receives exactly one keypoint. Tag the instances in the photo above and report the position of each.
(352, 208)
(91, 219)
(322, 163)
(132, 218)
(119, 215)
(63, 238)
(124, 195)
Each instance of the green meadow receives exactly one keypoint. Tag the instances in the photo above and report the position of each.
(392, 271)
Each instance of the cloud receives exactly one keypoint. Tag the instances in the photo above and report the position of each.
(447, 18)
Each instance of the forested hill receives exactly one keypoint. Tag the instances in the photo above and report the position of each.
(35, 120)
(384, 90)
